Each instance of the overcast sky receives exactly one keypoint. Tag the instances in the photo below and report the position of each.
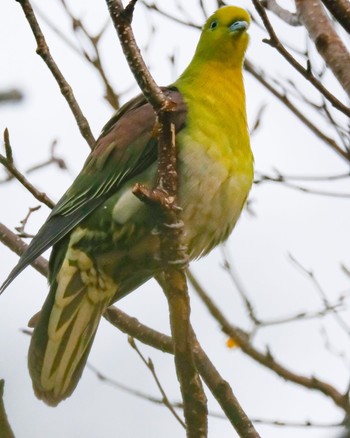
(314, 229)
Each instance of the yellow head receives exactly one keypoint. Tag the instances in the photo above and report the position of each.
(224, 36)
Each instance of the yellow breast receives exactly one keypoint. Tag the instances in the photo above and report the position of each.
(215, 162)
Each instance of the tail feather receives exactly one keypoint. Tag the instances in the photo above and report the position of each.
(66, 328)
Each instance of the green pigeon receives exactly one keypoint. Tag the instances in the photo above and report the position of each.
(105, 240)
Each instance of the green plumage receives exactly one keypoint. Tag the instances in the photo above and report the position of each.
(105, 241)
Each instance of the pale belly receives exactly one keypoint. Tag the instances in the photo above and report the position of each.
(212, 195)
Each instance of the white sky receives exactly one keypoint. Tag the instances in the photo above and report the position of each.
(314, 229)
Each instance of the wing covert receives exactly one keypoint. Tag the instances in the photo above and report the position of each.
(126, 147)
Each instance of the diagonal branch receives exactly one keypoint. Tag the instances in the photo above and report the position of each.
(340, 9)
(16, 244)
(259, 75)
(327, 41)
(44, 51)
(305, 72)
(290, 18)
(122, 22)
(8, 163)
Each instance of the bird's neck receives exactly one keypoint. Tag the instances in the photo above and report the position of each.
(215, 90)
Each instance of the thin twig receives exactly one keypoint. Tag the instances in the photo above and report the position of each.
(310, 274)
(7, 162)
(21, 228)
(16, 244)
(263, 178)
(53, 159)
(335, 352)
(132, 53)
(288, 17)
(263, 323)
(149, 364)
(301, 316)
(154, 7)
(312, 178)
(95, 60)
(10, 96)
(177, 405)
(259, 76)
(239, 286)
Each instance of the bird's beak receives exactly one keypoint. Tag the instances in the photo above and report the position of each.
(239, 26)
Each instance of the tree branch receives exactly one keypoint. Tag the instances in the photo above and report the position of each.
(7, 162)
(149, 364)
(164, 198)
(16, 244)
(285, 15)
(340, 10)
(122, 20)
(44, 51)
(305, 72)
(327, 41)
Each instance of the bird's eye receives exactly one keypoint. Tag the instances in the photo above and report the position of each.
(213, 24)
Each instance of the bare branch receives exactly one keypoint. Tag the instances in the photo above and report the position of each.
(299, 424)
(308, 178)
(327, 41)
(308, 424)
(310, 274)
(149, 364)
(13, 95)
(150, 89)
(66, 90)
(236, 281)
(8, 148)
(340, 9)
(95, 60)
(154, 7)
(193, 396)
(280, 179)
(290, 18)
(16, 244)
(7, 162)
(21, 228)
(121, 386)
(251, 68)
(53, 159)
(305, 72)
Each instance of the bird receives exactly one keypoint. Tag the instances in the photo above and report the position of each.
(104, 239)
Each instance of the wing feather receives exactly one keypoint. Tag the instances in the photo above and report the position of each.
(126, 147)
